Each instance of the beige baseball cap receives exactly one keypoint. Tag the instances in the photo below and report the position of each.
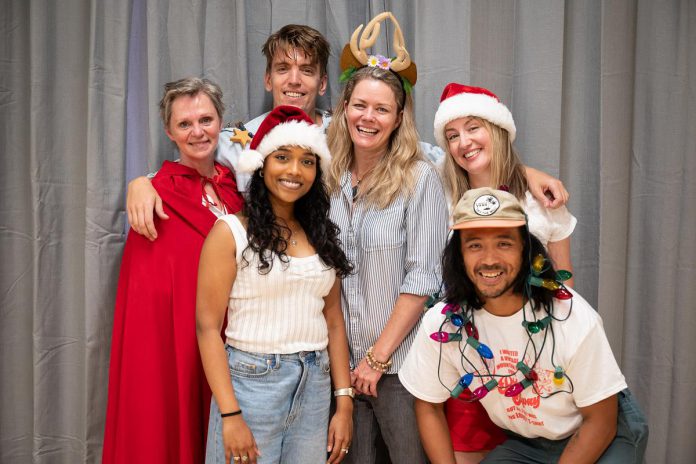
(487, 207)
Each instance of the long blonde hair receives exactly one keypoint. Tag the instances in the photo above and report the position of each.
(506, 167)
(392, 176)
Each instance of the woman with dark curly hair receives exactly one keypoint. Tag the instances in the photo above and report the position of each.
(273, 271)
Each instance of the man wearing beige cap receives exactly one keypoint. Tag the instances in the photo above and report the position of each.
(532, 351)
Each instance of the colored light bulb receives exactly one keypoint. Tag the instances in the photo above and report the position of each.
(481, 348)
(444, 337)
(545, 283)
(457, 320)
(471, 330)
(462, 385)
(483, 390)
(563, 275)
(537, 326)
(538, 264)
(558, 376)
(533, 327)
(449, 307)
(480, 392)
(514, 390)
(563, 294)
(466, 380)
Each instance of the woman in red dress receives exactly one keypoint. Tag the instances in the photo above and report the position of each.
(158, 400)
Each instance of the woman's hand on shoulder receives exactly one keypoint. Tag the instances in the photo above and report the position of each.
(238, 440)
(141, 200)
(548, 190)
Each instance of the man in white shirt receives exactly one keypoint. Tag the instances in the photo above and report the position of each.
(532, 351)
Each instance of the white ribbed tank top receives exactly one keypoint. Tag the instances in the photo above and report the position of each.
(281, 311)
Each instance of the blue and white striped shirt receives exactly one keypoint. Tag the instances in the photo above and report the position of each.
(394, 250)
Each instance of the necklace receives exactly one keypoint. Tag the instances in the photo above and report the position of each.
(462, 317)
(360, 179)
(293, 233)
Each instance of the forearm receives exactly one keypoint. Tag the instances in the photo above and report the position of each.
(217, 372)
(594, 435)
(340, 364)
(587, 445)
(548, 190)
(434, 432)
(406, 313)
(339, 357)
(559, 252)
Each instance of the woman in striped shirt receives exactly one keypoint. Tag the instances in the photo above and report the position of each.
(390, 207)
(272, 271)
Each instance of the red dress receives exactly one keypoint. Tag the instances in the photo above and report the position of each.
(159, 400)
(470, 427)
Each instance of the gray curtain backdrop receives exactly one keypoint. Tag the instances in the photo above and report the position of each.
(603, 95)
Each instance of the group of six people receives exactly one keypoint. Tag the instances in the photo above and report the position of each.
(318, 275)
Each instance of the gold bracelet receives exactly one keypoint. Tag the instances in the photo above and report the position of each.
(370, 362)
(384, 366)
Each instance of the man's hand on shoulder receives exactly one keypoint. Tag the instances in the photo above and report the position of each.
(141, 200)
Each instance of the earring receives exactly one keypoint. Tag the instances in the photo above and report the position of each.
(261, 173)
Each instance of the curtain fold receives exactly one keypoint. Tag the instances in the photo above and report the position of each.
(603, 95)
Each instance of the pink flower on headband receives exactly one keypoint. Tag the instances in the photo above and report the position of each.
(384, 62)
(379, 61)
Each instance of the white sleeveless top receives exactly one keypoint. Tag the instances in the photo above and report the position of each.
(280, 311)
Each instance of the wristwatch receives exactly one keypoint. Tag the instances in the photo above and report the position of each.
(344, 392)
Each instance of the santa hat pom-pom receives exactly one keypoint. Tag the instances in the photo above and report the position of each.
(250, 161)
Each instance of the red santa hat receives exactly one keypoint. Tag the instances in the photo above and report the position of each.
(459, 101)
(285, 126)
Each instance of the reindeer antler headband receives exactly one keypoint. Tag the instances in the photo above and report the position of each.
(354, 55)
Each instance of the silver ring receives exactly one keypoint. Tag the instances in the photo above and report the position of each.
(245, 458)
(344, 450)
(236, 458)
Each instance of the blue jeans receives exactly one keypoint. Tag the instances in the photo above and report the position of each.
(284, 399)
(385, 428)
(628, 446)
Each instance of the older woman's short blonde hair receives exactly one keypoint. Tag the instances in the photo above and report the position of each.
(189, 86)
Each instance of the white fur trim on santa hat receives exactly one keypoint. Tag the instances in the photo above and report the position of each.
(297, 133)
(472, 104)
(250, 161)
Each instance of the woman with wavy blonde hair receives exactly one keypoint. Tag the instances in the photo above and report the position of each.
(390, 207)
(393, 170)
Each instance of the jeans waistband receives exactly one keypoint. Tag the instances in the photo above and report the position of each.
(275, 359)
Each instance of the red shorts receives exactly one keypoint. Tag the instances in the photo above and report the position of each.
(470, 427)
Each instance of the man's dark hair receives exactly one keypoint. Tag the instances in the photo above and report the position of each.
(297, 36)
(459, 288)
